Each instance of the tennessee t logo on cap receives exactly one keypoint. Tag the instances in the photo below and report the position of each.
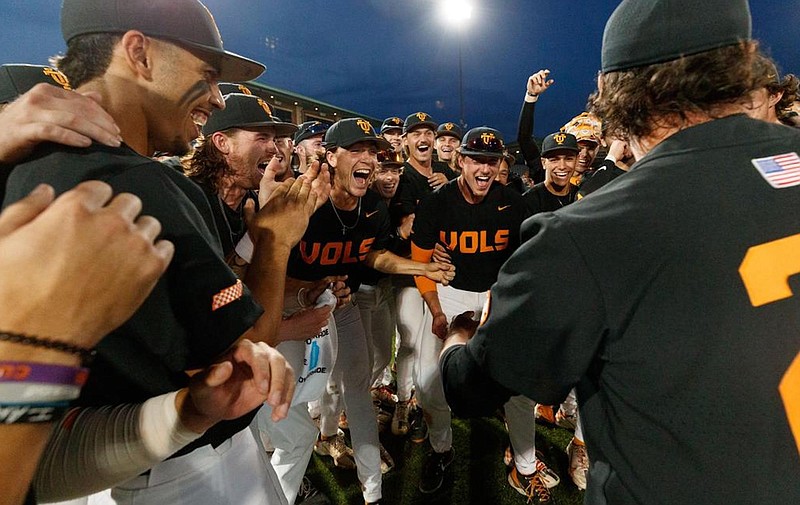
(487, 137)
(264, 106)
(57, 76)
(559, 138)
(422, 116)
(364, 125)
(448, 126)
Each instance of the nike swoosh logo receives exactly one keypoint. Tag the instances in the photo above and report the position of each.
(370, 214)
(504, 207)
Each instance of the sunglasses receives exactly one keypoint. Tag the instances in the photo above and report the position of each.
(315, 129)
(485, 143)
(390, 156)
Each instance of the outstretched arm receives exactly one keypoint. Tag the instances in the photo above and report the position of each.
(537, 84)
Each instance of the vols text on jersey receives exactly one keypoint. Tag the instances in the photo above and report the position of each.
(335, 253)
(471, 242)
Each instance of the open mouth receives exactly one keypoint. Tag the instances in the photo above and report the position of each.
(362, 175)
(483, 181)
(262, 167)
(423, 148)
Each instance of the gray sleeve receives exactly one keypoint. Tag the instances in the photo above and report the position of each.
(93, 449)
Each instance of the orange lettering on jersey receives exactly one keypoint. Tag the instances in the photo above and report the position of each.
(348, 253)
(331, 253)
(451, 243)
(366, 247)
(501, 240)
(309, 258)
(334, 253)
(468, 242)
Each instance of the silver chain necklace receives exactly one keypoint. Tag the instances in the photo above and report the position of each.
(344, 226)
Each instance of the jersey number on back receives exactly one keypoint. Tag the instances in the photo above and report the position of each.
(765, 271)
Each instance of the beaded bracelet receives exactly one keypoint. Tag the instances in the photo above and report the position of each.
(18, 371)
(36, 393)
(33, 413)
(85, 354)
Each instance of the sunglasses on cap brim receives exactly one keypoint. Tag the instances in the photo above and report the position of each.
(390, 156)
(479, 143)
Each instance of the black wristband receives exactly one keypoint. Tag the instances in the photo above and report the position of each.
(86, 355)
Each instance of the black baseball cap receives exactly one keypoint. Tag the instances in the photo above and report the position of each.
(391, 123)
(310, 129)
(16, 79)
(187, 23)
(226, 88)
(559, 142)
(419, 120)
(246, 111)
(449, 130)
(483, 141)
(346, 132)
(642, 32)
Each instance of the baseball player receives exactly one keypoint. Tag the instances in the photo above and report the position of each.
(559, 159)
(230, 158)
(199, 309)
(477, 221)
(350, 229)
(689, 305)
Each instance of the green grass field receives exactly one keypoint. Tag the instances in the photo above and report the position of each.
(477, 476)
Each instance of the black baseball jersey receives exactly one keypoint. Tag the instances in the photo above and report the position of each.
(335, 245)
(479, 237)
(539, 199)
(607, 172)
(413, 187)
(183, 324)
(681, 333)
(229, 222)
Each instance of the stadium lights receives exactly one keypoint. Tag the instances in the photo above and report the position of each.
(455, 12)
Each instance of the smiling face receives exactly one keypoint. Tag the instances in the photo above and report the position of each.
(247, 153)
(185, 93)
(419, 145)
(285, 147)
(313, 146)
(446, 146)
(386, 180)
(559, 166)
(353, 167)
(477, 175)
(588, 150)
(394, 137)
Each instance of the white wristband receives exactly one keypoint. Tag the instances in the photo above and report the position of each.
(162, 432)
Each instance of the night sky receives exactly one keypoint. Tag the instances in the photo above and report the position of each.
(395, 57)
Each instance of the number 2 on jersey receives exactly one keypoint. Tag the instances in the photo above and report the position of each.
(765, 271)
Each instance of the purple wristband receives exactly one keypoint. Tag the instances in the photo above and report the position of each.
(18, 371)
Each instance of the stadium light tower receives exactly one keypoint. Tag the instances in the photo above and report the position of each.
(457, 13)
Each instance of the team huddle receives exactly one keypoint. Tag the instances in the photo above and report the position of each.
(328, 279)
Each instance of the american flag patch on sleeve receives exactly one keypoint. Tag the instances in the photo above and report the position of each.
(780, 171)
(227, 296)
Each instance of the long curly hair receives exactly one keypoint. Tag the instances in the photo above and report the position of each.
(206, 164)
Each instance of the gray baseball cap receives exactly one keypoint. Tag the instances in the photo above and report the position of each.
(187, 23)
